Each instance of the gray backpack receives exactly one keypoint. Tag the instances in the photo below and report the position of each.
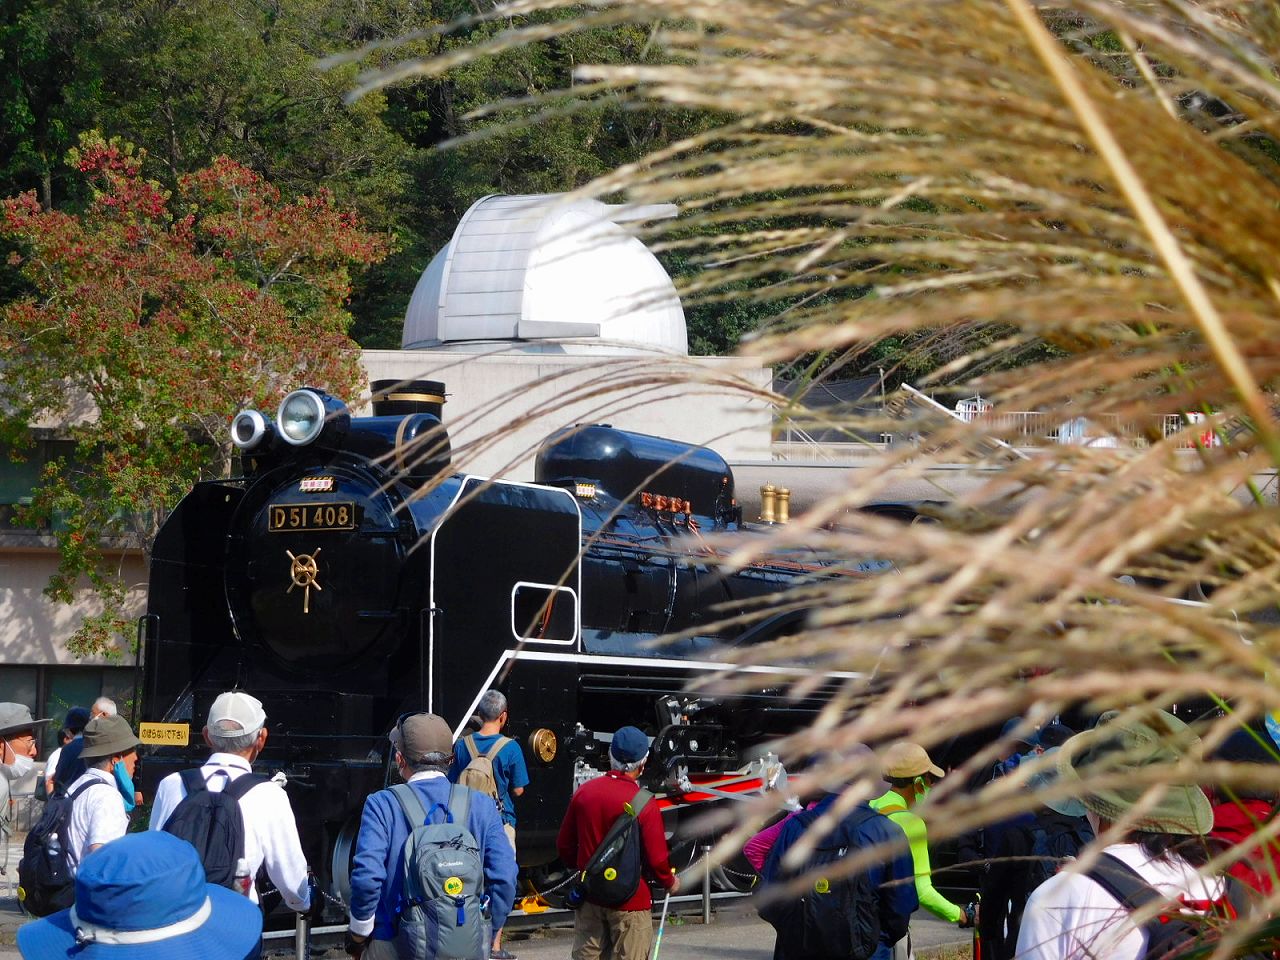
(445, 912)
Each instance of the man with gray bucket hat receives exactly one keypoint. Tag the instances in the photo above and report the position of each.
(98, 816)
(1158, 859)
(17, 759)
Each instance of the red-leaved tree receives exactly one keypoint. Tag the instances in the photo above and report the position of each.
(148, 321)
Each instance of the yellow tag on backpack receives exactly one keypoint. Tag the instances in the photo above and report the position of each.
(453, 886)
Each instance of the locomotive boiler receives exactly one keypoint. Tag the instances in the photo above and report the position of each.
(346, 578)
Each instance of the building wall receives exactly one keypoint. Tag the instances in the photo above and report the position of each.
(35, 666)
(502, 405)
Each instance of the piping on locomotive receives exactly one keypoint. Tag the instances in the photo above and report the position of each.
(344, 580)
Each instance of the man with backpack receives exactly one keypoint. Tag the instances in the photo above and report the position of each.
(433, 870)
(846, 916)
(492, 764)
(616, 923)
(1160, 859)
(229, 813)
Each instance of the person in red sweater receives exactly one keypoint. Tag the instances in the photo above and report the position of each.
(624, 932)
(1239, 813)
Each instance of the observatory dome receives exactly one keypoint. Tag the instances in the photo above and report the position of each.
(547, 274)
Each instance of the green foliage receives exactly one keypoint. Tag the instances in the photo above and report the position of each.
(156, 316)
(52, 67)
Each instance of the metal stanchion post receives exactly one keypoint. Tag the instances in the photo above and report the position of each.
(300, 937)
(706, 884)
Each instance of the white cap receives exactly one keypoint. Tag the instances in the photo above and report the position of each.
(240, 708)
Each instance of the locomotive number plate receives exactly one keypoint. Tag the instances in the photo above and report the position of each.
(290, 517)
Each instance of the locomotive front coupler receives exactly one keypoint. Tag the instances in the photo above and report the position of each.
(683, 748)
(672, 710)
(588, 746)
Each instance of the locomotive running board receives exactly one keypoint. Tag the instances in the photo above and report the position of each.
(703, 666)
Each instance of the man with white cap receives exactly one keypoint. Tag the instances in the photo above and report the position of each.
(236, 733)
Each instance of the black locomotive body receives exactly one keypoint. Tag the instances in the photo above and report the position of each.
(343, 583)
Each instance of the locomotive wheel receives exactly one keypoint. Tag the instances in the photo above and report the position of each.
(344, 850)
(737, 875)
(550, 881)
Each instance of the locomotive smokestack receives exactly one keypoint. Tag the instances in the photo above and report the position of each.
(397, 398)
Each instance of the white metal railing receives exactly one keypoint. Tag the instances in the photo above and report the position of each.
(1018, 428)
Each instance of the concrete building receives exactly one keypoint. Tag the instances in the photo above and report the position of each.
(35, 666)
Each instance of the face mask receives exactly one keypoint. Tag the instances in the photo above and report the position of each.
(19, 768)
(124, 783)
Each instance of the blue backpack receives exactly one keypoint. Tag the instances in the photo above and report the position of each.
(445, 911)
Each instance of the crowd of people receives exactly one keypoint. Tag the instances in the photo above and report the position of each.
(1173, 869)
(434, 870)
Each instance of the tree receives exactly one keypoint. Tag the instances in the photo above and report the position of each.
(161, 315)
(50, 87)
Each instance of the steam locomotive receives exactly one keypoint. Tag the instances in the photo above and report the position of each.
(346, 578)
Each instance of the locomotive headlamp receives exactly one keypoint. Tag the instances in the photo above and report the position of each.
(249, 429)
(301, 417)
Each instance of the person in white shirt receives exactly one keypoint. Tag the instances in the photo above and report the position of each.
(1071, 916)
(236, 733)
(97, 815)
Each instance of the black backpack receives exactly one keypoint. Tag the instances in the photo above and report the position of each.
(45, 881)
(613, 873)
(1056, 838)
(833, 919)
(1169, 935)
(213, 822)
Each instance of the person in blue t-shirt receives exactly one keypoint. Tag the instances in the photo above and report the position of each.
(509, 772)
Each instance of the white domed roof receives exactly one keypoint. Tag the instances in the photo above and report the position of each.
(542, 269)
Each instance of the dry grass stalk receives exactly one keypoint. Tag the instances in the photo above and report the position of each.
(894, 167)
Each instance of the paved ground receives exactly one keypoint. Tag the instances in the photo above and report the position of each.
(735, 932)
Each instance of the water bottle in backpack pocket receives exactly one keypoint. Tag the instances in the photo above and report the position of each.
(213, 823)
(45, 881)
(445, 911)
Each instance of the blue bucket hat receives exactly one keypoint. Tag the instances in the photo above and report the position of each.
(144, 897)
(629, 745)
(1045, 777)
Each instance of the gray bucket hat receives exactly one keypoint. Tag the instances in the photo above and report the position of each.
(1128, 744)
(15, 717)
(104, 736)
